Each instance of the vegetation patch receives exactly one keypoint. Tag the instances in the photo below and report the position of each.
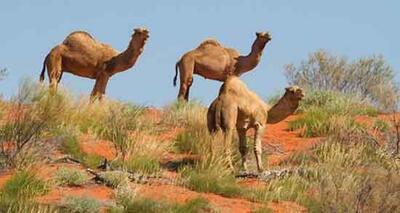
(71, 177)
(82, 204)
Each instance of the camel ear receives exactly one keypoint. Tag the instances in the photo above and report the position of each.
(258, 34)
(289, 89)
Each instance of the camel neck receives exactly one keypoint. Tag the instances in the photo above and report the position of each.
(250, 61)
(282, 110)
(127, 58)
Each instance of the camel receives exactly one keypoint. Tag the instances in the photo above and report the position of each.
(213, 61)
(238, 107)
(81, 55)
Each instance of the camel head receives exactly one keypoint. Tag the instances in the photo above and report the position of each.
(141, 32)
(264, 36)
(294, 93)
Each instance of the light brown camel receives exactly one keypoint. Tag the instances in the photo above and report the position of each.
(80, 54)
(211, 60)
(237, 107)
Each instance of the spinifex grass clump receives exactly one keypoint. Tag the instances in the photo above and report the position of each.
(21, 188)
(82, 204)
(153, 206)
(71, 177)
(323, 112)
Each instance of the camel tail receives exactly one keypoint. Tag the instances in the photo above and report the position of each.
(43, 70)
(176, 72)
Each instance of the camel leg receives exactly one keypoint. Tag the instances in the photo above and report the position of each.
(243, 147)
(186, 68)
(229, 115)
(188, 89)
(99, 88)
(257, 145)
(227, 147)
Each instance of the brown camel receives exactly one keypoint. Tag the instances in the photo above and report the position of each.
(80, 54)
(211, 60)
(238, 107)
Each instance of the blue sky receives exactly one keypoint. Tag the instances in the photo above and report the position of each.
(29, 29)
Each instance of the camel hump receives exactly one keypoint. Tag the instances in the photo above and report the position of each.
(81, 33)
(210, 42)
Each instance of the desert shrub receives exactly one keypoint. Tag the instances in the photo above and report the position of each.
(317, 122)
(21, 188)
(82, 204)
(124, 196)
(370, 78)
(336, 103)
(70, 145)
(179, 113)
(327, 112)
(150, 206)
(71, 176)
(35, 111)
(115, 179)
(21, 207)
(381, 125)
(143, 163)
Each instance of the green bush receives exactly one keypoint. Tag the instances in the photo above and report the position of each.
(22, 187)
(115, 179)
(325, 112)
(71, 177)
(70, 145)
(82, 204)
(369, 78)
(381, 125)
(149, 206)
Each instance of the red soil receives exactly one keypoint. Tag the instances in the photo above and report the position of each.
(288, 141)
(91, 145)
(57, 194)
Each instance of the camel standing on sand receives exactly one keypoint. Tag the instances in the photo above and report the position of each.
(238, 107)
(80, 54)
(211, 60)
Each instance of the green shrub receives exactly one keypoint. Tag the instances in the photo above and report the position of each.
(34, 112)
(115, 179)
(370, 78)
(82, 204)
(211, 180)
(149, 205)
(70, 145)
(143, 163)
(381, 125)
(23, 186)
(71, 177)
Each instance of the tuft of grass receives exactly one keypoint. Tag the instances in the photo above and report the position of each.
(82, 204)
(70, 145)
(71, 177)
(325, 112)
(210, 180)
(381, 125)
(143, 163)
(150, 206)
(23, 186)
(115, 179)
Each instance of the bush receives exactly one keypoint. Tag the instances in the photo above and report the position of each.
(115, 179)
(149, 205)
(70, 145)
(71, 177)
(35, 111)
(22, 187)
(325, 112)
(370, 78)
(82, 204)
